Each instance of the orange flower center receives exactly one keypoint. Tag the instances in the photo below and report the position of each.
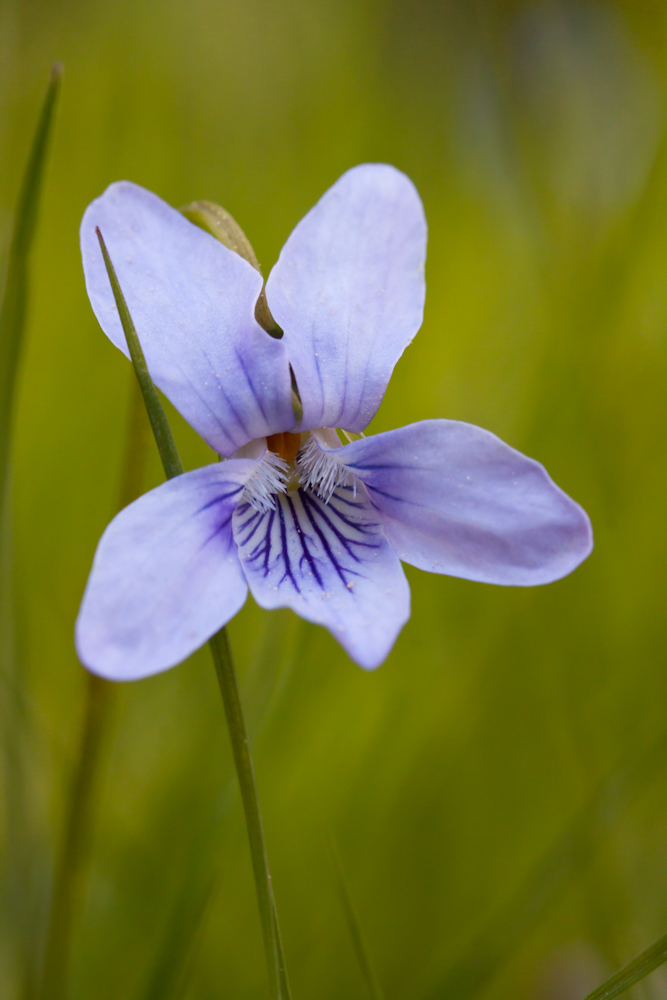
(285, 445)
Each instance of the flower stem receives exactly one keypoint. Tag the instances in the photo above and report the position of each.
(224, 667)
(222, 658)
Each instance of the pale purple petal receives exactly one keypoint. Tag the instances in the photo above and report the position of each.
(166, 575)
(456, 499)
(192, 301)
(348, 290)
(331, 564)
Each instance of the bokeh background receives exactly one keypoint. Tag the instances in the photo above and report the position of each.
(497, 789)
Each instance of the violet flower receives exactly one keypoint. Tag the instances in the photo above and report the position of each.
(302, 519)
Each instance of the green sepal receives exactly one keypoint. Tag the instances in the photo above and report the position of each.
(219, 223)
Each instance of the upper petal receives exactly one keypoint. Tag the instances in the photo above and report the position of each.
(166, 575)
(192, 301)
(456, 499)
(348, 290)
(331, 564)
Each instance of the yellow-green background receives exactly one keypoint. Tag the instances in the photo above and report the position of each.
(497, 789)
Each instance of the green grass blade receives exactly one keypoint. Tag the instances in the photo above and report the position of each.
(19, 846)
(72, 864)
(15, 299)
(572, 852)
(645, 963)
(170, 975)
(353, 926)
(164, 439)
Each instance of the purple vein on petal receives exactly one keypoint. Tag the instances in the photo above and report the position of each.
(288, 574)
(303, 539)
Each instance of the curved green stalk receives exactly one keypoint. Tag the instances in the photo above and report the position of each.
(224, 665)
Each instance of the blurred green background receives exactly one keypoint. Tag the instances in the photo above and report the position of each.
(497, 789)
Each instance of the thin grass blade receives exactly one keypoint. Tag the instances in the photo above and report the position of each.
(72, 865)
(15, 299)
(21, 929)
(353, 926)
(644, 964)
(170, 975)
(164, 438)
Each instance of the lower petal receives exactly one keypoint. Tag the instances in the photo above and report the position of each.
(455, 499)
(166, 575)
(329, 562)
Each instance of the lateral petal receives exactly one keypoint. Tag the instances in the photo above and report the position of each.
(348, 291)
(455, 499)
(166, 575)
(192, 301)
(331, 564)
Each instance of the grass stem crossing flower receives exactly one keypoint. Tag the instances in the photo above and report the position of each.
(295, 514)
